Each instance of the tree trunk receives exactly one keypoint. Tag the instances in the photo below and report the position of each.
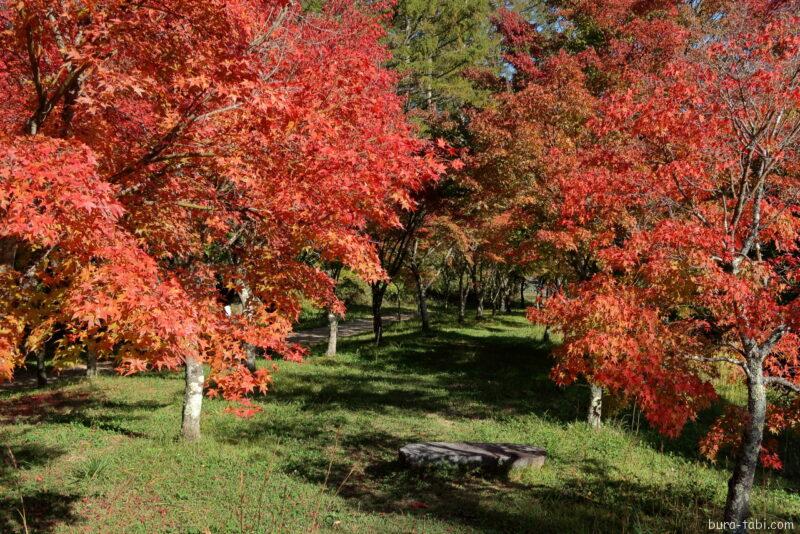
(333, 323)
(91, 364)
(446, 288)
(507, 296)
(595, 419)
(463, 293)
(476, 277)
(251, 352)
(192, 400)
(522, 294)
(399, 304)
(41, 370)
(377, 320)
(737, 506)
(422, 301)
(502, 290)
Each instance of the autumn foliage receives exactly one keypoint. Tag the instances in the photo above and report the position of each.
(647, 153)
(159, 161)
(141, 184)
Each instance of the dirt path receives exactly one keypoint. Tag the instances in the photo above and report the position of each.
(349, 328)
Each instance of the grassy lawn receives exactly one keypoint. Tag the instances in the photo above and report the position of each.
(102, 456)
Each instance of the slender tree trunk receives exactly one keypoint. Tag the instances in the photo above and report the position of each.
(540, 296)
(192, 400)
(476, 277)
(422, 301)
(595, 416)
(446, 289)
(737, 506)
(250, 351)
(463, 293)
(333, 323)
(91, 364)
(522, 294)
(507, 296)
(502, 286)
(41, 370)
(399, 304)
(377, 303)
(423, 310)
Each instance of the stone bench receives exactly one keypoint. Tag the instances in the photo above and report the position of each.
(488, 456)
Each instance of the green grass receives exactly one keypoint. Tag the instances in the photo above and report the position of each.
(103, 456)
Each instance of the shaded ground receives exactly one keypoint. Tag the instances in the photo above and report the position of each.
(322, 455)
(25, 379)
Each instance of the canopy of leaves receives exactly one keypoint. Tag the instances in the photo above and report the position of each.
(139, 183)
(654, 150)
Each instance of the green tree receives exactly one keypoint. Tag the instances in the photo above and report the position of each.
(436, 44)
(440, 47)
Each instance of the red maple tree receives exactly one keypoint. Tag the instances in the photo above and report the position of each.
(155, 158)
(652, 148)
(692, 174)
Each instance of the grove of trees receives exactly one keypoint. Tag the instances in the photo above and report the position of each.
(635, 164)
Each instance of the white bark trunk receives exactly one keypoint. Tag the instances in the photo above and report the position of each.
(333, 323)
(241, 308)
(192, 400)
(595, 416)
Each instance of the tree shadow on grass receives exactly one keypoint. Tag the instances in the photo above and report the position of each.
(41, 510)
(74, 406)
(593, 497)
(458, 374)
(44, 510)
(687, 445)
(453, 374)
(516, 366)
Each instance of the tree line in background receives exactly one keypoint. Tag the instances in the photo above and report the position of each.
(635, 162)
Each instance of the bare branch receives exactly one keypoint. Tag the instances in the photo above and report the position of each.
(193, 206)
(718, 360)
(782, 382)
(776, 336)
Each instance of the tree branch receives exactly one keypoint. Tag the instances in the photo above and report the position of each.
(776, 336)
(719, 360)
(778, 381)
(191, 205)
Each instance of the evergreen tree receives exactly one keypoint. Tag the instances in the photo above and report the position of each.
(436, 44)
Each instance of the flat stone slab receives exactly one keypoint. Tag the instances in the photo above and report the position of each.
(499, 456)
